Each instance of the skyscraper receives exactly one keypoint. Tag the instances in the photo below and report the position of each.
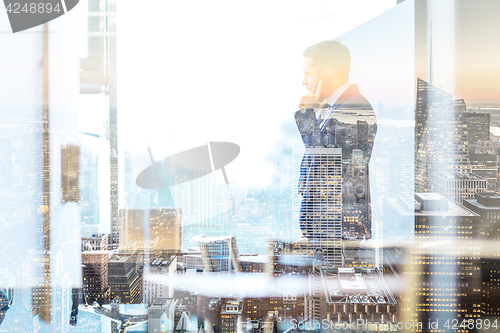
(324, 216)
(124, 280)
(150, 229)
(440, 135)
(485, 166)
(161, 315)
(478, 127)
(362, 135)
(95, 276)
(219, 254)
(445, 272)
(458, 186)
(95, 260)
(487, 205)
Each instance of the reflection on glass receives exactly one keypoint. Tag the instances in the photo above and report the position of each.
(367, 201)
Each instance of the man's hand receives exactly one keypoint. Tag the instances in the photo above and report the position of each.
(311, 100)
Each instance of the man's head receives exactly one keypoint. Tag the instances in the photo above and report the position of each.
(328, 61)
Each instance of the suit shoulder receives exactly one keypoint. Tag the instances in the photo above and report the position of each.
(356, 100)
(356, 108)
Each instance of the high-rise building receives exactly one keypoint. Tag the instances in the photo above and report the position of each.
(362, 135)
(487, 205)
(42, 294)
(399, 223)
(231, 316)
(156, 229)
(487, 147)
(351, 224)
(133, 164)
(219, 254)
(443, 269)
(402, 164)
(161, 315)
(95, 260)
(89, 194)
(95, 276)
(70, 158)
(440, 135)
(459, 186)
(478, 127)
(124, 279)
(357, 255)
(323, 217)
(356, 208)
(93, 183)
(484, 165)
(95, 242)
(154, 287)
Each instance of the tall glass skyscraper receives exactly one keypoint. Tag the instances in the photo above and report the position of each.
(440, 135)
(321, 210)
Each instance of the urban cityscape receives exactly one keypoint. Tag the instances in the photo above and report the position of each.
(378, 216)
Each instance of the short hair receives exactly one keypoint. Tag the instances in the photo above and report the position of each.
(332, 55)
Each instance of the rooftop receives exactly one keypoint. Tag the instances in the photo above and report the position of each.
(119, 259)
(454, 208)
(162, 302)
(367, 287)
(430, 196)
(458, 176)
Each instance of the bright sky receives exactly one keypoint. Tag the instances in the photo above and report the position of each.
(192, 72)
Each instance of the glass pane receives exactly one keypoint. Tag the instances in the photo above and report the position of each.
(251, 167)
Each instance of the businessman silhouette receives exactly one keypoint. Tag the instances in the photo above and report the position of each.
(335, 117)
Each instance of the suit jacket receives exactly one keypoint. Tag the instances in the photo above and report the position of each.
(350, 124)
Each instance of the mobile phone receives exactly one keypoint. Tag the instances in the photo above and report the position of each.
(325, 80)
(316, 85)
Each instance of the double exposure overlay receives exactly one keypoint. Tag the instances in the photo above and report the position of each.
(222, 166)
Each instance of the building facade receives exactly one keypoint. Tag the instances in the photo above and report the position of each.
(124, 280)
(440, 136)
(322, 212)
(459, 186)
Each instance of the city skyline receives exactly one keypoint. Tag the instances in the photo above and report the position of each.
(385, 220)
